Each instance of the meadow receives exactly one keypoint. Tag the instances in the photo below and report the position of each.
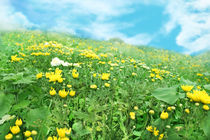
(60, 87)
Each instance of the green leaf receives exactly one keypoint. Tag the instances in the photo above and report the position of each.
(207, 87)
(205, 125)
(22, 104)
(25, 80)
(5, 103)
(186, 82)
(77, 126)
(137, 133)
(168, 95)
(35, 117)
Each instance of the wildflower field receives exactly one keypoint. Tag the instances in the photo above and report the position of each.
(60, 87)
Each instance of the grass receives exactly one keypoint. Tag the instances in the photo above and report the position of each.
(121, 91)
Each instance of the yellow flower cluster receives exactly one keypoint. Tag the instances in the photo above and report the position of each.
(55, 76)
(14, 58)
(105, 76)
(16, 129)
(199, 96)
(155, 132)
(75, 74)
(89, 54)
(62, 134)
(187, 88)
(40, 53)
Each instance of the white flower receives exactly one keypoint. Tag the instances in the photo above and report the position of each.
(56, 62)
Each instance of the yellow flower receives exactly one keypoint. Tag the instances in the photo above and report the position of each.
(15, 129)
(155, 132)
(164, 115)
(69, 86)
(151, 112)
(61, 132)
(39, 75)
(149, 128)
(187, 111)
(198, 87)
(161, 137)
(136, 108)
(50, 138)
(107, 85)
(63, 93)
(68, 131)
(152, 75)
(132, 115)
(93, 86)
(105, 76)
(153, 80)
(18, 122)
(187, 88)
(169, 108)
(33, 132)
(134, 74)
(206, 107)
(75, 74)
(30, 138)
(52, 91)
(27, 133)
(8, 136)
(72, 93)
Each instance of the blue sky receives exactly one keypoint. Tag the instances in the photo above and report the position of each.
(179, 25)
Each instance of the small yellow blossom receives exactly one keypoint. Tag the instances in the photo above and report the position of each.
(149, 128)
(15, 129)
(18, 122)
(187, 88)
(8, 136)
(161, 136)
(187, 111)
(69, 86)
(136, 108)
(132, 115)
(30, 138)
(93, 86)
(61, 132)
(39, 75)
(72, 93)
(206, 107)
(169, 108)
(27, 134)
(164, 115)
(33, 132)
(52, 91)
(151, 112)
(107, 85)
(134, 74)
(63, 93)
(155, 132)
(50, 138)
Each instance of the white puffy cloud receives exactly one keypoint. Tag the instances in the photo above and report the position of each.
(11, 20)
(193, 18)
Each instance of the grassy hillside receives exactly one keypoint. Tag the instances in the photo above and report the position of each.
(99, 90)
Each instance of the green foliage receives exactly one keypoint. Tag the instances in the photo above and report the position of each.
(143, 82)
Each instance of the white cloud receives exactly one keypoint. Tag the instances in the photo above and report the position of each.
(10, 20)
(110, 30)
(193, 17)
(100, 27)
